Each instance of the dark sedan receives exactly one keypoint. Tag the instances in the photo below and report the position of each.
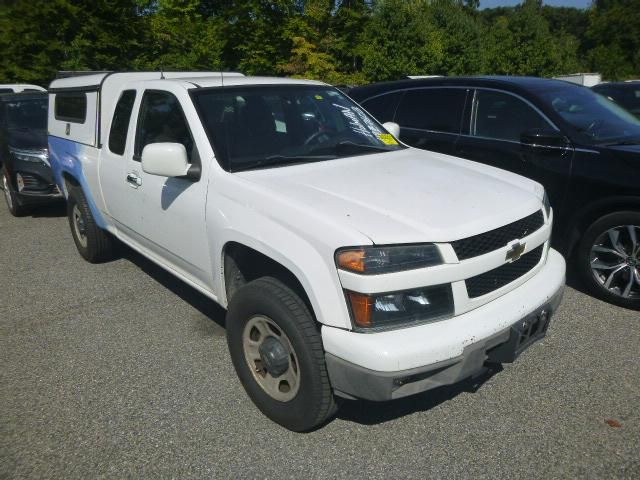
(581, 146)
(26, 176)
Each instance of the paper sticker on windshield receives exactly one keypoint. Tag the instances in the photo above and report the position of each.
(387, 139)
(318, 97)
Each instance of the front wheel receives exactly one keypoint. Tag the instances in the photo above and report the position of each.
(94, 244)
(11, 197)
(277, 352)
(608, 258)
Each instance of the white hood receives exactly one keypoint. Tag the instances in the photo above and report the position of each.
(408, 196)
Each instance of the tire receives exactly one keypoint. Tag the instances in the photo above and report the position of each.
(11, 198)
(94, 244)
(267, 309)
(608, 264)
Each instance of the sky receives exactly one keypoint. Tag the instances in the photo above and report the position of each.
(553, 3)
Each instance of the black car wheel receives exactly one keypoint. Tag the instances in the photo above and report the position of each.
(11, 197)
(608, 258)
(277, 352)
(94, 244)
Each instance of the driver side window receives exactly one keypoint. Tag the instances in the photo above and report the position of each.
(161, 119)
(504, 117)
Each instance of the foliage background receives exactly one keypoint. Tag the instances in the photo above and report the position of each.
(339, 41)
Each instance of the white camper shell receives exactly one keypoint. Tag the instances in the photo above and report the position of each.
(80, 107)
(20, 87)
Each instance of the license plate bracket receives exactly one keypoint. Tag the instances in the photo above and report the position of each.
(522, 334)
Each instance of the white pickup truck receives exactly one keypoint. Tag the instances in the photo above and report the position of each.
(350, 265)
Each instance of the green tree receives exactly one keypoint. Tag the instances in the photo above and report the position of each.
(180, 37)
(254, 33)
(401, 39)
(520, 43)
(39, 37)
(613, 38)
(461, 38)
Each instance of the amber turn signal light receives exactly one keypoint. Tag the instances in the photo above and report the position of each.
(352, 260)
(362, 308)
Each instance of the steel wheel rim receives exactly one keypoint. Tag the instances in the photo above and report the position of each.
(79, 226)
(615, 261)
(7, 193)
(284, 387)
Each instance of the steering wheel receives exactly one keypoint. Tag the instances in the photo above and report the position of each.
(590, 130)
(315, 138)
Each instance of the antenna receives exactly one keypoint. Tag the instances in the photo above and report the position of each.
(221, 79)
(161, 72)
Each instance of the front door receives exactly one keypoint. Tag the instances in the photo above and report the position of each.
(167, 215)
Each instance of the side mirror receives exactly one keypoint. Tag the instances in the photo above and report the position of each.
(538, 137)
(165, 160)
(393, 128)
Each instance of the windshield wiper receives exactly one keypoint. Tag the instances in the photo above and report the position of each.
(349, 145)
(633, 141)
(280, 160)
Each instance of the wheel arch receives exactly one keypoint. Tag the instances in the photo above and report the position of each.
(242, 264)
(592, 212)
(242, 260)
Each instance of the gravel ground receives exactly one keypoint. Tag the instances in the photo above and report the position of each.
(119, 370)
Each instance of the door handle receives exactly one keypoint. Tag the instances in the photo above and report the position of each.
(134, 180)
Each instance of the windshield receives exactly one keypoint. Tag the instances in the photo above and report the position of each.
(597, 119)
(267, 126)
(27, 114)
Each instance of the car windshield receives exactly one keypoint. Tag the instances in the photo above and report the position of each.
(596, 119)
(267, 126)
(27, 114)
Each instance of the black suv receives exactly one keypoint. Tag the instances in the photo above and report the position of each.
(581, 146)
(26, 176)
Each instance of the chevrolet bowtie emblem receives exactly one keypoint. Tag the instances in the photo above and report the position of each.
(515, 252)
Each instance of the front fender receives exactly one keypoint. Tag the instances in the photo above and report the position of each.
(310, 261)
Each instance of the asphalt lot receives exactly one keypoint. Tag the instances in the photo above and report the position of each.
(118, 370)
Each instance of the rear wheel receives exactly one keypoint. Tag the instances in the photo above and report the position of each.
(608, 258)
(277, 352)
(94, 244)
(11, 197)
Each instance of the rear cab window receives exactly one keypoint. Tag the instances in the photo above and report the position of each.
(121, 121)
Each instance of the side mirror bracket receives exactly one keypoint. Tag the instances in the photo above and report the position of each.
(393, 128)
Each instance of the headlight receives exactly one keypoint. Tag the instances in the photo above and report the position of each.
(547, 204)
(402, 308)
(376, 260)
(33, 156)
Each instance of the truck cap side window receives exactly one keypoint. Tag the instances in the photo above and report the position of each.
(120, 122)
(71, 107)
(161, 119)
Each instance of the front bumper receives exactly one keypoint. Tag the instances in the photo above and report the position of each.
(387, 365)
(39, 186)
